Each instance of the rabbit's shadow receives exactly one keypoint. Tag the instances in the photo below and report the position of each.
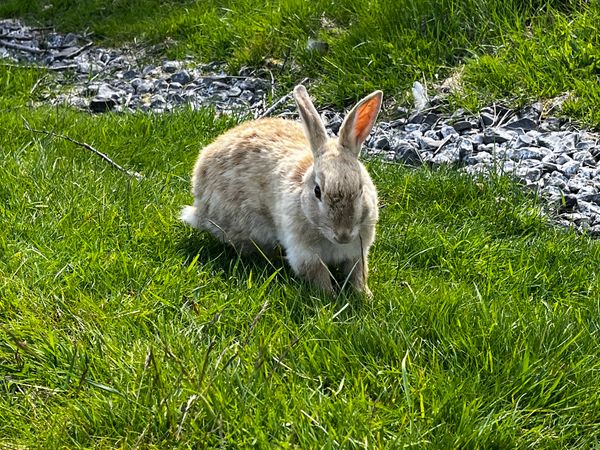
(301, 300)
(223, 257)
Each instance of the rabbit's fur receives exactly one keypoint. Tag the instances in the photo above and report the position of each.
(272, 182)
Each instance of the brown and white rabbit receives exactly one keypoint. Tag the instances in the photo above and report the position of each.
(269, 182)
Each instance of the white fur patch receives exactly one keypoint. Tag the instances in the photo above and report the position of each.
(188, 215)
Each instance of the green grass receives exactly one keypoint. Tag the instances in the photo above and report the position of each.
(516, 50)
(121, 327)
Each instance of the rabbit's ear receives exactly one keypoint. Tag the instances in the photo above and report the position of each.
(360, 120)
(313, 125)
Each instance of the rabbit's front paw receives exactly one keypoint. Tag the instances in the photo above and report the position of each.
(315, 271)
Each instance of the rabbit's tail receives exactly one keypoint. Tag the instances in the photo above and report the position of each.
(189, 215)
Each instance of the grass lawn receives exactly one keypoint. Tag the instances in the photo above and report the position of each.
(121, 327)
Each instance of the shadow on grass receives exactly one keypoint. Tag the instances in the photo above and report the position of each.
(203, 247)
(300, 299)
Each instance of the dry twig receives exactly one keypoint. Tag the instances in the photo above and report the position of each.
(87, 147)
(64, 67)
(24, 48)
(16, 38)
(78, 51)
(279, 102)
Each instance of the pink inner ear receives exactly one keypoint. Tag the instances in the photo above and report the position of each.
(365, 116)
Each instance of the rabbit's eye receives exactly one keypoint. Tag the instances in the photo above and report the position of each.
(318, 192)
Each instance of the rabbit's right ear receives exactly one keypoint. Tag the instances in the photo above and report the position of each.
(313, 125)
(359, 122)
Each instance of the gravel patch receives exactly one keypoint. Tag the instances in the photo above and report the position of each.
(547, 154)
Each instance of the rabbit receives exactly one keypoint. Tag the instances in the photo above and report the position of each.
(272, 182)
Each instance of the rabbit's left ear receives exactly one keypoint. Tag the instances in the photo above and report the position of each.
(359, 122)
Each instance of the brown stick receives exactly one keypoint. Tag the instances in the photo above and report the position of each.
(78, 51)
(64, 67)
(22, 47)
(41, 28)
(279, 102)
(90, 148)
(16, 38)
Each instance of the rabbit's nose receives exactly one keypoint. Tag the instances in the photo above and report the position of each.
(342, 237)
